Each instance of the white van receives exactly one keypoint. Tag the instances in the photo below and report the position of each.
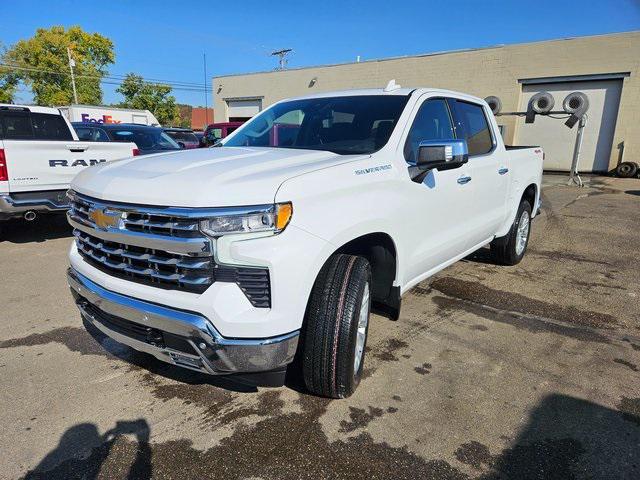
(97, 114)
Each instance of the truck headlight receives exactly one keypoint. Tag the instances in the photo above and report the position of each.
(261, 218)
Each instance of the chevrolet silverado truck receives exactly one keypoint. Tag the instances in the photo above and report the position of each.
(243, 257)
(39, 155)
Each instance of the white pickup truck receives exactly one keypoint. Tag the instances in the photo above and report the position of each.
(39, 155)
(278, 243)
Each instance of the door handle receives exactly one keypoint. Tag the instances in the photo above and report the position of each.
(77, 148)
(503, 170)
(463, 180)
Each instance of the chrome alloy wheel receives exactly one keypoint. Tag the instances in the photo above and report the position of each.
(361, 335)
(522, 235)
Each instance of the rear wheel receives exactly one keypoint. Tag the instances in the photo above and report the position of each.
(510, 249)
(337, 323)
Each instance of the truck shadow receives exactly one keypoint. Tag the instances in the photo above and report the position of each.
(48, 227)
(482, 255)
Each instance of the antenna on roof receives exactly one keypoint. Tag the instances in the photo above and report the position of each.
(391, 86)
(282, 61)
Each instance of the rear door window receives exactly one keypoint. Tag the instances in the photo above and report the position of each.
(16, 125)
(50, 127)
(85, 134)
(101, 135)
(473, 126)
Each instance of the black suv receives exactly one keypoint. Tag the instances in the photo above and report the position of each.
(148, 139)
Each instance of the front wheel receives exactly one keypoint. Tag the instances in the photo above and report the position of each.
(510, 249)
(337, 323)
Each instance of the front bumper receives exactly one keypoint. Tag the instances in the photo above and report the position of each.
(175, 336)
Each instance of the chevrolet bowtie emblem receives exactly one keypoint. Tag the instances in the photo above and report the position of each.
(104, 218)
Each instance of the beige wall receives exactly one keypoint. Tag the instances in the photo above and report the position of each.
(489, 71)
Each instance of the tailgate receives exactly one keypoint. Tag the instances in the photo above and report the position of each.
(52, 164)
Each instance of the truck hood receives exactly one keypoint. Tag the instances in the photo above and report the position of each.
(206, 177)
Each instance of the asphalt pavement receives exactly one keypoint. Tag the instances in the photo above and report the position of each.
(525, 372)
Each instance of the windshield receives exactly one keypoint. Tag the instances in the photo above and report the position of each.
(345, 125)
(145, 139)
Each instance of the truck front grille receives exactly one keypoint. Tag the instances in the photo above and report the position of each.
(146, 265)
(157, 247)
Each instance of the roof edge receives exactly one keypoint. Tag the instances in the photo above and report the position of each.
(428, 54)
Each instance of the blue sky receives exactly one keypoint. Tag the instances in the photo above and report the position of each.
(162, 39)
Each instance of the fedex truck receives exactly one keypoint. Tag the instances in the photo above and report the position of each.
(96, 114)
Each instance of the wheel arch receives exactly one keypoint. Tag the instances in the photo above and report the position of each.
(380, 250)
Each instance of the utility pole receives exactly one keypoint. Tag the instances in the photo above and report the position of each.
(72, 64)
(206, 104)
(282, 54)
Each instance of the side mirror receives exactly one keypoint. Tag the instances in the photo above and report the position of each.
(438, 155)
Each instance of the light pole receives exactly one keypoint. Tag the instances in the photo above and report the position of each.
(206, 103)
(72, 64)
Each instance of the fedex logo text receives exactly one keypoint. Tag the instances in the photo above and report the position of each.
(104, 119)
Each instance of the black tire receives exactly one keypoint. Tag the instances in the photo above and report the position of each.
(627, 170)
(505, 249)
(331, 326)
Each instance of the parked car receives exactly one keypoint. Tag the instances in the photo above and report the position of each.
(148, 139)
(184, 137)
(217, 131)
(234, 259)
(39, 155)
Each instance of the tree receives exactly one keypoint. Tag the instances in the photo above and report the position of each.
(184, 116)
(8, 80)
(41, 63)
(8, 85)
(154, 97)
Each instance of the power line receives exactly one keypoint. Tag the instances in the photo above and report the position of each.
(177, 85)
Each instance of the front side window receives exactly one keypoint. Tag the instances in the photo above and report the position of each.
(349, 125)
(472, 125)
(50, 127)
(432, 122)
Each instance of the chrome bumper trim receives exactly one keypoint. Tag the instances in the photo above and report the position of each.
(8, 204)
(219, 355)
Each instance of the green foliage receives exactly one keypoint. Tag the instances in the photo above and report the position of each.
(154, 97)
(184, 116)
(8, 85)
(43, 65)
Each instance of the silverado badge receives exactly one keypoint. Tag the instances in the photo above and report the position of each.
(105, 218)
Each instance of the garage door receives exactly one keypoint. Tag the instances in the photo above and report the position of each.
(558, 141)
(239, 110)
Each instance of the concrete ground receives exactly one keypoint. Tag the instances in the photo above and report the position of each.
(491, 372)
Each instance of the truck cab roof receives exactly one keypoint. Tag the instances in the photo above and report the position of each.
(385, 92)
(30, 108)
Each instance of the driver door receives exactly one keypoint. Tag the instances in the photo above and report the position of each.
(437, 211)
